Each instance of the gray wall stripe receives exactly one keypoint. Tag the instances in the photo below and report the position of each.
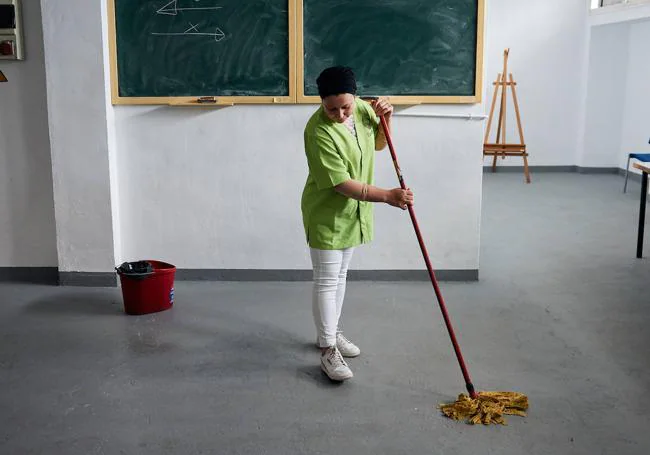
(44, 275)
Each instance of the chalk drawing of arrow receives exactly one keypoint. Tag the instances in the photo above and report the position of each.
(218, 34)
(172, 9)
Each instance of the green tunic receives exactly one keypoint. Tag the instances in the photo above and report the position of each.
(333, 221)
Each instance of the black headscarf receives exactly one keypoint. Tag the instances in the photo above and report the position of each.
(336, 80)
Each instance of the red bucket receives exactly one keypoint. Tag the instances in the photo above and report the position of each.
(149, 294)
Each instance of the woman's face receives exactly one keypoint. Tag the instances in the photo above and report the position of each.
(339, 107)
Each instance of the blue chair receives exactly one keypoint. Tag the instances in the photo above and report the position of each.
(645, 157)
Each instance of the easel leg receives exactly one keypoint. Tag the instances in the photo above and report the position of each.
(526, 172)
(503, 113)
(500, 124)
(494, 100)
(521, 131)
(489, 125)
(516, 103)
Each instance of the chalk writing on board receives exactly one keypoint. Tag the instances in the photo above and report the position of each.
(192, 27)
(218, 34)
(172, 9)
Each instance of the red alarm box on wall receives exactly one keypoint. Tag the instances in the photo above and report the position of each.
(7, 48)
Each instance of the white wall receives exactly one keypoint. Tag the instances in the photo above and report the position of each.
(618, 94)
(606, 88)
(636, 111)
(547, 41)
(27, 235)
(221, 189)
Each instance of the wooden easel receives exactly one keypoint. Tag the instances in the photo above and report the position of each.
(500, 147)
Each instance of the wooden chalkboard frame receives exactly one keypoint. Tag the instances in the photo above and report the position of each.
(478, 84)
(192, 100)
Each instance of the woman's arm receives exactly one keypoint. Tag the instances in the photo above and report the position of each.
(396, 197)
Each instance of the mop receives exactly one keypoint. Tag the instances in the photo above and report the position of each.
(475, 408)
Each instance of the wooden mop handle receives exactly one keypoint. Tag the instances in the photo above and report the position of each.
(434, 282)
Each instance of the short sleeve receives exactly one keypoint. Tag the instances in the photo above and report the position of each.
(325, 163)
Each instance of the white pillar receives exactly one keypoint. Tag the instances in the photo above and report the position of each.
(79, 137)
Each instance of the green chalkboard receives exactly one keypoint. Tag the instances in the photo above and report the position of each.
(396, 47)
(202, 48)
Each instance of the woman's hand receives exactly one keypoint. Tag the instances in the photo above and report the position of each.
(398, 197)
(381, 106)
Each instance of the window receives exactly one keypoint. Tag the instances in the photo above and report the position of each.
(604, 3)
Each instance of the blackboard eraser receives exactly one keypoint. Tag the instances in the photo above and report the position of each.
(206, 100)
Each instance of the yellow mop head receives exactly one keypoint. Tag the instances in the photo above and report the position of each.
(487, 408)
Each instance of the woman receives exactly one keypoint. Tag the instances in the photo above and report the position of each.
(340, 140)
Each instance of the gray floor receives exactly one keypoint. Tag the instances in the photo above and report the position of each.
(560, 313)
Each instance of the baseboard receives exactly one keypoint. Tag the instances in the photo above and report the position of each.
(413, 275)
(632, 176)
(306, 275)
(90, 279)
(540, 169)
(50, 275)
(597, 170)
(242, 275)
(520, 169)
(35, 275)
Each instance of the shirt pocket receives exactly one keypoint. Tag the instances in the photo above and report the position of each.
(351, 208)
(341, 206)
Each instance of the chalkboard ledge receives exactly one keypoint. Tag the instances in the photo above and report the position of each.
(197, 103)
(210, 101)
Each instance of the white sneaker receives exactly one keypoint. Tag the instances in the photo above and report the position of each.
(332, 363)
(347, 348)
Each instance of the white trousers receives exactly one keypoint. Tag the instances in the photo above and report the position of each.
(330, 275)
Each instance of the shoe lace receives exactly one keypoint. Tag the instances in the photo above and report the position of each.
(336, 358)
(341, 339)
